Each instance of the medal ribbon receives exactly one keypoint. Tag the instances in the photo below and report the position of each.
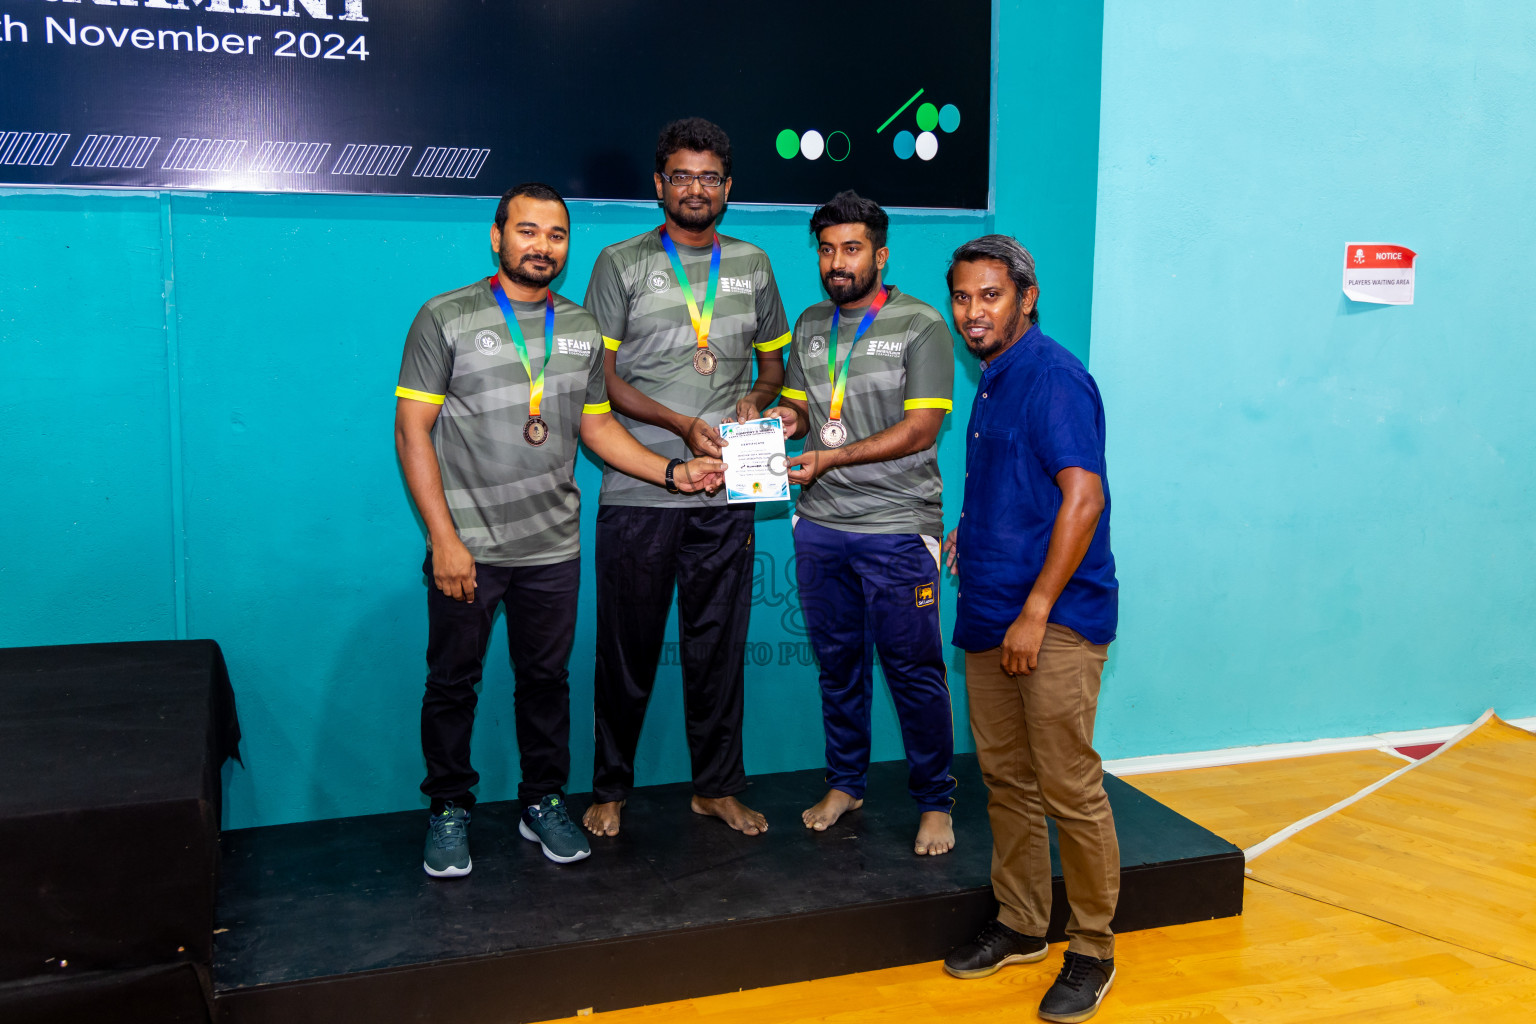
(535, 385)
(700, 320)
(840, 381)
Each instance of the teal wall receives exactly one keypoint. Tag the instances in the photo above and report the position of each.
(85, 495)
(196, 440)
(1323, 510)
(1046, 151)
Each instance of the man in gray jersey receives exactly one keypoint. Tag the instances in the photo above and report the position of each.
(687, 314)
(499, 381)
(869, 379)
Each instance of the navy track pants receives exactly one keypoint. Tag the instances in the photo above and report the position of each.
(867, 592)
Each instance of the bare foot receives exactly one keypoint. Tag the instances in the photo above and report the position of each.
(733, 812)
(831, 807)
(603, 819)
(935, 834)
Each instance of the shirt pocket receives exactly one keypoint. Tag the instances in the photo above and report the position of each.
(988, 451)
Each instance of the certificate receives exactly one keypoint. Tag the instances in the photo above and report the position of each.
(754, 458)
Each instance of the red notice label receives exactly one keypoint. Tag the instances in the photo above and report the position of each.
(1376, 257)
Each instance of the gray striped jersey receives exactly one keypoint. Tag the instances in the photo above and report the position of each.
(905, 361)
(512, 503)
(634, 294)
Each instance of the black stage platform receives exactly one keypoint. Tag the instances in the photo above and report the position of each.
(335, 920)
(109, 819)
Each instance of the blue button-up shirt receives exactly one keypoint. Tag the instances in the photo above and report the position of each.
(1036, 412)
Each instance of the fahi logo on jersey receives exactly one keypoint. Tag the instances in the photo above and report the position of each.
(573, 347)
(924, 595)
(735, 286)
(488, 342)
(888, 349)
(658, 282)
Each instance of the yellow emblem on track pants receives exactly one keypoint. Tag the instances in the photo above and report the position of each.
(925, 595)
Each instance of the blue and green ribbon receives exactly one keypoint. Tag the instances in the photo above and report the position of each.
(535, 385)
(701, 320)
(840, 381)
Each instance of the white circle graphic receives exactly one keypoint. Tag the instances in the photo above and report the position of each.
(927, 146)
(812, 145)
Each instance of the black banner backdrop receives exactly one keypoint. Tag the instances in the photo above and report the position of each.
(466, 97)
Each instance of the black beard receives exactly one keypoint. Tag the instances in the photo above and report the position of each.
(529, 278)
(984, 352)
(853, 291)
(1000, 340)
(688, 220)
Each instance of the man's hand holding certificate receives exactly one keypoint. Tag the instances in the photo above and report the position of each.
(755, 469)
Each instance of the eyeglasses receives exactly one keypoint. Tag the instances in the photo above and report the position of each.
(684, 180)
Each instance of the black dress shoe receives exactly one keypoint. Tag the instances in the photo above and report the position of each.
(995, 945)
(1079, 989)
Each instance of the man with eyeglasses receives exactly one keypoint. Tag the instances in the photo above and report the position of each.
(687, 315)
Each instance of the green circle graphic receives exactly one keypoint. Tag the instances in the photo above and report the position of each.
(949, 117)
(927, 117)
(847, 146)
(788, 143)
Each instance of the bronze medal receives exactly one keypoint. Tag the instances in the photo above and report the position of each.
(704, 361)
(834, 434)
(535, 431)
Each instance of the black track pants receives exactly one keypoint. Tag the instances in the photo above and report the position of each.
(642, 554)
(541, 627)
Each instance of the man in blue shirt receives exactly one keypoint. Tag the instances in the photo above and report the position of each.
(1037, 609)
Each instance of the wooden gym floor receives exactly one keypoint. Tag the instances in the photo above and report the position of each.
(1289, 958)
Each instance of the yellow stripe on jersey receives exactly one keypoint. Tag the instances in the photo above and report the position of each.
(611, 344)
(928, 403)
(774, 345)
(798, 396)
(419, 396)
(594, 408)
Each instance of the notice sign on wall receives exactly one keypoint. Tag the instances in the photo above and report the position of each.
(468, 97)
(1379, 273)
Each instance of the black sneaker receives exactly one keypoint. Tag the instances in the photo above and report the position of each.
(995, 945)
(1079, 988)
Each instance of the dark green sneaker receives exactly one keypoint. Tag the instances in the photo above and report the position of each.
(549, 824)
(447, 852)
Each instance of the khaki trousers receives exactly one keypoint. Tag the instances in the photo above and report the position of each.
(1034, 739)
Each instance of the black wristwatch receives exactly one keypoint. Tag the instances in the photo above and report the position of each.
(672, 484)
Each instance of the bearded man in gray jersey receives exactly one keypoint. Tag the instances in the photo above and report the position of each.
(500, 381)
(868, 385)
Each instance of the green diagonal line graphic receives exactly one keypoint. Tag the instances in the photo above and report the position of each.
(894, 116)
